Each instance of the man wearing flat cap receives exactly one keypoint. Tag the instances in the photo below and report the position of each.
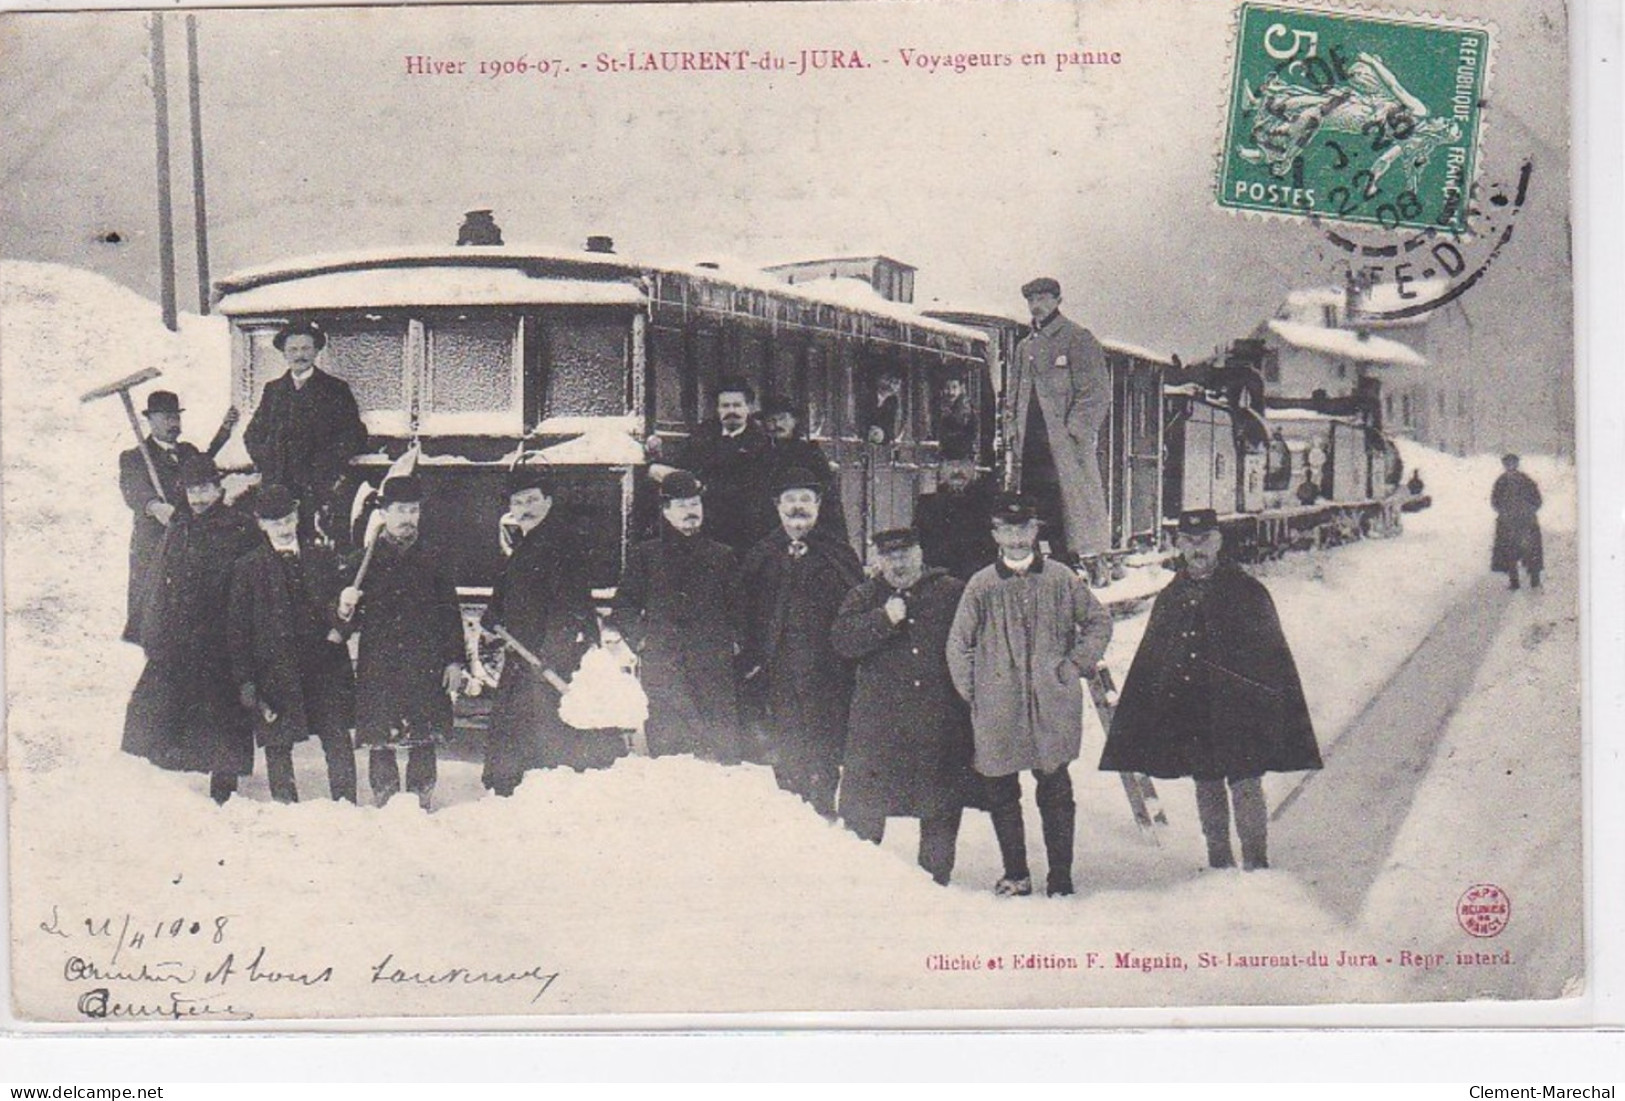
(678, 606)
(544, 600)
(1058, 399)
(793, 582)
(289, 662)
(153, 510)
(908, 743)
(184, 713)
(1026, 633)
(409, 657)
(306, 429)
(1214, 694)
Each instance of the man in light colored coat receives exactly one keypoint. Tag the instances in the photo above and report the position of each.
(1026, 632)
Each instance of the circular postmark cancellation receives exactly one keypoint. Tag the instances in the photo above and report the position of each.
(1484, 910)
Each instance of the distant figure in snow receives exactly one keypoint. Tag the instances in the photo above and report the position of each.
(1516, 501)
(1214, 694)
(1415, 485)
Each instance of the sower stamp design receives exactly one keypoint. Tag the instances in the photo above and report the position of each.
(1353, 116)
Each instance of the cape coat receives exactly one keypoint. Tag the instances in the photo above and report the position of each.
(1516, 500)
(302, 439)
(184, 714)
(1019, 646)
(908, 743)
(282, 642)
(1062, 367)
(411, 628)
(1213, 692)
(678, 606)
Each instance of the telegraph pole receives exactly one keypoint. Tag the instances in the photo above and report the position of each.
(166, 230)
(199, 205)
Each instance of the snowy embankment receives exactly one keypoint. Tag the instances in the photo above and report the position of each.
(659, 885)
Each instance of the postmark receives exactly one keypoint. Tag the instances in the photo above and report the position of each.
(1356, 117)
(1484, 910)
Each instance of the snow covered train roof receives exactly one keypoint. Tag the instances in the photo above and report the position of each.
(1346, 344)
(426, 286)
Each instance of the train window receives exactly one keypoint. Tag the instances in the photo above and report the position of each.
(370, 355)
(586, 366)
(671, 370)
(707, 367)
(928, 380)
(786, 379)
(819, 405)
(751, 360)
(471, 362)
(848, 380)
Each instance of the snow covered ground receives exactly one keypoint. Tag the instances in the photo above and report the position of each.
(671, 885)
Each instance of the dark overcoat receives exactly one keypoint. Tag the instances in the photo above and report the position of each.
(804, 685)
(678, 606)
(411, 628)
(1516, 500)
(955, 528)
(735, 470)
(183, 714)
(302, 438)
(147, 534)
(1213, 692)
(544, 599)
(287, 641)
(788, 455)
(908, 743)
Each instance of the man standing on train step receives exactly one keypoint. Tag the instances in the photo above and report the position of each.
(288, 658)
(306, 429)
(793, 583)
(678, 606)
(1059, 397)
(731, 454)
(409, 660)
(1027, 631)
(152, 510)
(1214, 694)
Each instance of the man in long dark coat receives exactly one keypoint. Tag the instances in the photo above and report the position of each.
(952, 522)
(306, 429)
(908, 742)
(731, 454)
(288, 657)
(1516, 500)
(678, 606)
(183, 714)
(411, 650)
(152, 510)
(793, 582)
(793, 451)
(544, 600)
(1214, 694)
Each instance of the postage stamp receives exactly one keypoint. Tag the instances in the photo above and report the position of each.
(1356, 117)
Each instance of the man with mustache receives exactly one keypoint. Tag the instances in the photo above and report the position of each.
(678, 606)
(793, 582)
(409, 660)
(792, 450)
(731, 454)
(1214, 694)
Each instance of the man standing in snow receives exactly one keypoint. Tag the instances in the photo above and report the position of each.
(409, 660)
(908, 745)
(1059, 396)
(678, 607)
(306, 429)
(288, 657)
(793, 583)
(1516, 501)
(152, 510)
(1214, 694)
(731, 454)
(1026, 632)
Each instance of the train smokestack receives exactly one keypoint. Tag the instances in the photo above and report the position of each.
(479, 228)
(598, 242)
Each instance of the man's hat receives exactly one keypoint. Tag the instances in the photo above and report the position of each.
(774, 405)
(199, 470)
(797, 478)
(299, 328)
(1198, 521)
(680, 485)
(402, 489)
(895, 539)
(529, 474)
(1042, 285)
(162, 401)
(1509, 457)
(273, 502)
(1012, 508)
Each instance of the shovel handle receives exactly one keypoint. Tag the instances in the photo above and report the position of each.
(141, 446)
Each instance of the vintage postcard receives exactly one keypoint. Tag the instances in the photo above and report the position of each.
(561, 512)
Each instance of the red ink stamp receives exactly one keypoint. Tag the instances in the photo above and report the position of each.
(1484, 910)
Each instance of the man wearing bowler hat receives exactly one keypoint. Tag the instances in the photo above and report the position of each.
(792, 450)
(793, 582)
(1059, 397)
(152, 510)
(678, 605)
(908, 743)
(1214, 694)
(409, 659)
(1026, 632)
(288, 658)
(306, 429)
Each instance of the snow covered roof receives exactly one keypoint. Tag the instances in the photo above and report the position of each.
(1315, 297)
(1386, 298)
(1346, 344)
(426, 286)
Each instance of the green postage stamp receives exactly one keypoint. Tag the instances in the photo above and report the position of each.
(1354, 117)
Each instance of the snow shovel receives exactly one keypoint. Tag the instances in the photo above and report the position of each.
(122, 388)
(559, 684)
